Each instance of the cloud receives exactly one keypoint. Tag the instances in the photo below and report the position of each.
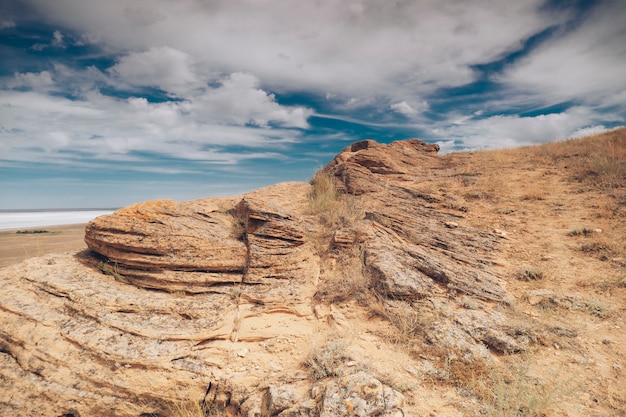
(143, 15)
(586, 63)
(406, 109)
(355, 49)
(35, 80)
(57, 39)
(513, 130)
(163, 67)
(37, 124)
(7, 24)
(239, 100)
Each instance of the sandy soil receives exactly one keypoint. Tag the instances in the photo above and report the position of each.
(15, 247)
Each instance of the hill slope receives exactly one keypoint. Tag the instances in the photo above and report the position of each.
(399, 282)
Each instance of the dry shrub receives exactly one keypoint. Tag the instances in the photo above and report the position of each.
(613, 282)
(502, 390)
(344, 280)
(580, 232)
(208, 407)
(603, 247)
(334, 210)
(513, 393)
(529, 273)
(408, 323)
(324, 195)
(326, 358)
(190, 408)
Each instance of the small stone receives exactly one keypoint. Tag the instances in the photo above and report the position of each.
(500, 233)
(242, 353)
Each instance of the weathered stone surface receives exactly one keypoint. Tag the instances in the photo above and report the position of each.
(410, 248)
(276, 243)
(168, 235)
(360, 394)
(187, 294)
(195, 245)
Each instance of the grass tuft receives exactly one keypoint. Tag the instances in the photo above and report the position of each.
(580, 232)
(324, 195)
(529, 274)
(327, 359)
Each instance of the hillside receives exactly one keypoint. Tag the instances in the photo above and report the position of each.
(399, 282)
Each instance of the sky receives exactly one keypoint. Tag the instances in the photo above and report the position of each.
(108, 103)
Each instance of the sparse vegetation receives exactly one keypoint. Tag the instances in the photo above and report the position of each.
(599, 160)
(334, 210)
(595, 308)
(584, 231)
(324, 195)
(108, 268)
(566, 244)
(31, 232)
(327, 359)
(514, 393)
(603, 247)
(529, 274)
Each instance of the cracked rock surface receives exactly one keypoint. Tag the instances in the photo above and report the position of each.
(219, 298)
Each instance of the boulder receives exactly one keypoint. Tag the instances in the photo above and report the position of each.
(193, 246)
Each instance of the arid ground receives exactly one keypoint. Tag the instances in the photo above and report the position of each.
(554, 215)
(17, 245)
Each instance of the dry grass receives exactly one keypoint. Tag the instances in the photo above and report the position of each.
(529, 273)
(344, 280)
(514, 393)
(323, 196)
(598, 159)
(333, 210)
(328, 357)
(501, 389)
(215, 403)
(110, 268)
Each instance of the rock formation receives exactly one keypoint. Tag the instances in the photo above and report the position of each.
(215, 299)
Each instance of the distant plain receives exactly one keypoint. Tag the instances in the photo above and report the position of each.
(15, 247)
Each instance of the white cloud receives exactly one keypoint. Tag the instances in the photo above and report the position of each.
(239, 100)
(163, 67)
(512, 130)
(221, 61)
(587, 64)
(143, 15)
(405, 108)
(38, 126)
(7, 24)
(37, 80)
(355, 49)
(57, 39)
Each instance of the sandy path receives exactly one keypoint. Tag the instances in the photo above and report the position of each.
(15, 247)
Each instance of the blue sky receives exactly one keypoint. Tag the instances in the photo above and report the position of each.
(103, 104)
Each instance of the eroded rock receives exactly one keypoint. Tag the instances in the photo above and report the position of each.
(235, 281)
(360, 394)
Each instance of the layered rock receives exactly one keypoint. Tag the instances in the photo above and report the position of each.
(221, 293)
(195, 246)
(410, 248)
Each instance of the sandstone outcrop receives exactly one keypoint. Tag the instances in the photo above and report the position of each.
(222, 293)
